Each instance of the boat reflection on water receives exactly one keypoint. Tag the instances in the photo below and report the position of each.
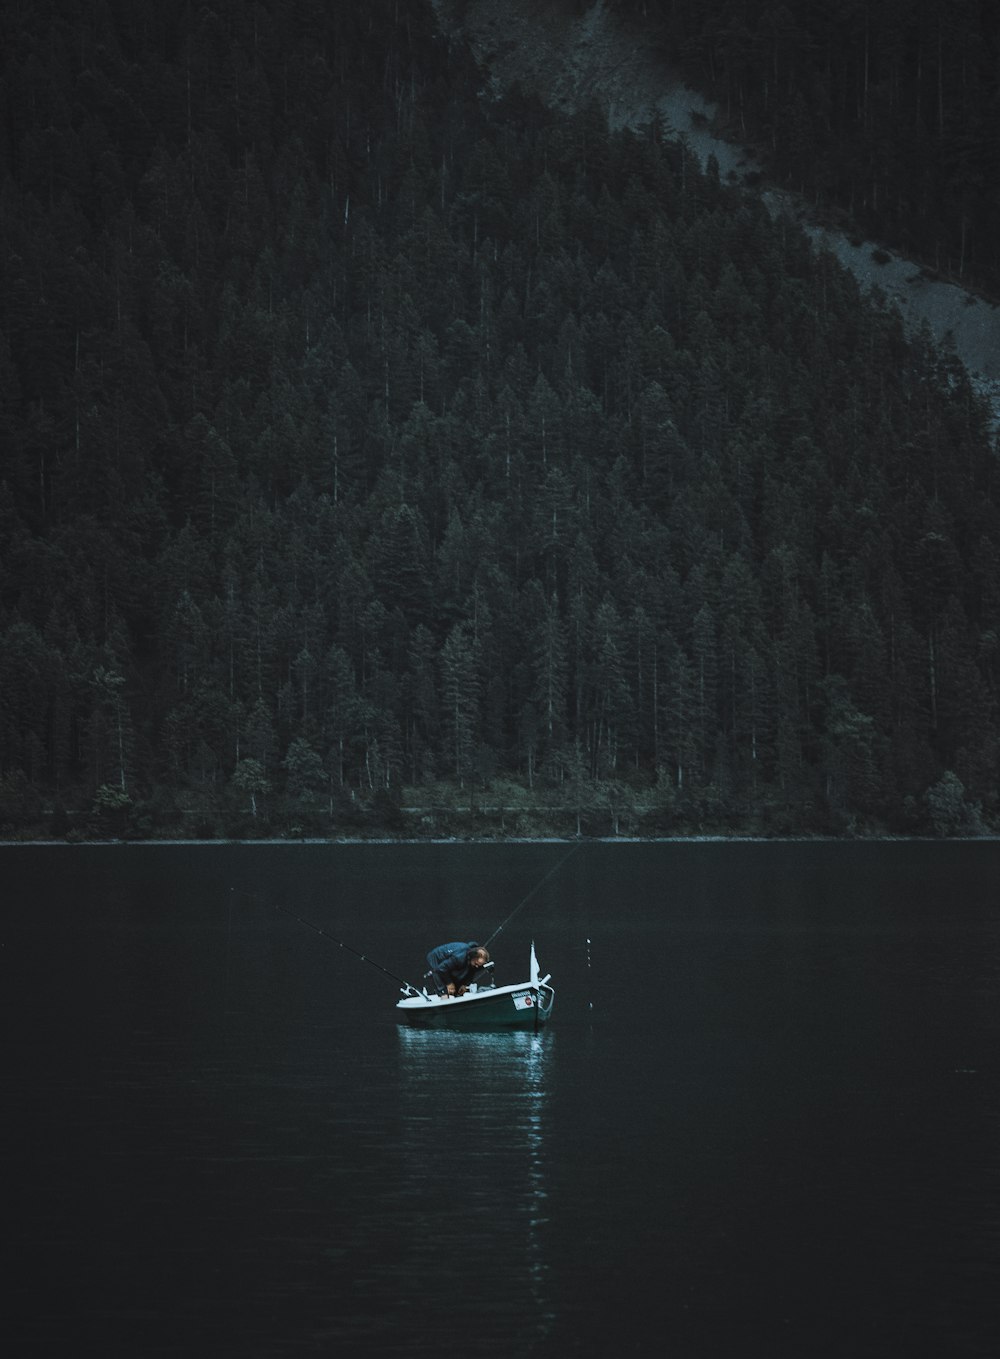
(475, 1118)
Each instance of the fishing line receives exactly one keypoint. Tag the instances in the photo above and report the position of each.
(410, 989)
(524, 900)
(318, 929)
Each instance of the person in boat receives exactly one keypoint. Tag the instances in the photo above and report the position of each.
(454, 966)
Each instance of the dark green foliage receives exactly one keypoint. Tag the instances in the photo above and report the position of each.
(362, 440)
(884, 113)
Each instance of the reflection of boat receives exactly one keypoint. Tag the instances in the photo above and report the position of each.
(495, 1132)
(525, 1005)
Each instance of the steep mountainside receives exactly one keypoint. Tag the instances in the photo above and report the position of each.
(373, 446)
(571, 54)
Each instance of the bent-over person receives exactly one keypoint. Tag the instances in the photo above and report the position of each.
(454, 966)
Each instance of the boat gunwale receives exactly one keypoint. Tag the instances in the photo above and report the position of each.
(426, 1001)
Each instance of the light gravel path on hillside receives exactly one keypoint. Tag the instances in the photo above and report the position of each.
(570, 59)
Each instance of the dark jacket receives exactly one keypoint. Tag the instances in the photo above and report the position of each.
(450, 963)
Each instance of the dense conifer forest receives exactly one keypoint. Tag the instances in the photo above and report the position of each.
(381, 458)
(884, 112)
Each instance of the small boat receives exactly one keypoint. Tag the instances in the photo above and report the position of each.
(525, 1005)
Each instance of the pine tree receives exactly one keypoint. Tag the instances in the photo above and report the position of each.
(460, 699)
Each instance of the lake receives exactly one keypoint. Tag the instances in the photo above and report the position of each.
(765, 1118)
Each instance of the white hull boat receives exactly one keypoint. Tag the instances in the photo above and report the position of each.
(525, 1005)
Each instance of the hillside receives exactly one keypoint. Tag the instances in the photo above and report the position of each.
(380, 451)
(571, 54)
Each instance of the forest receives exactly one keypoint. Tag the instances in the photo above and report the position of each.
(383, 459)
(883, 113)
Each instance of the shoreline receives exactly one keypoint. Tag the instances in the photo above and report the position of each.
(707, 839)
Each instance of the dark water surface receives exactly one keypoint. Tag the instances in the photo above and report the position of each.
(765, 1118)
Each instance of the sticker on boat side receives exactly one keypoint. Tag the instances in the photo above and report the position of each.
(523, 1000)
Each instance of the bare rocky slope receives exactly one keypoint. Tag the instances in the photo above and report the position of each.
(571, 58)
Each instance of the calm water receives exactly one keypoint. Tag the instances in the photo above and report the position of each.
(765, 1118)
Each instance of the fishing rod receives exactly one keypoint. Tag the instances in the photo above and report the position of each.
(407, 986)
(340, 943)
(525, 899)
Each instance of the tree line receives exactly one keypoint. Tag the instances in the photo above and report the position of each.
(372, 445)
